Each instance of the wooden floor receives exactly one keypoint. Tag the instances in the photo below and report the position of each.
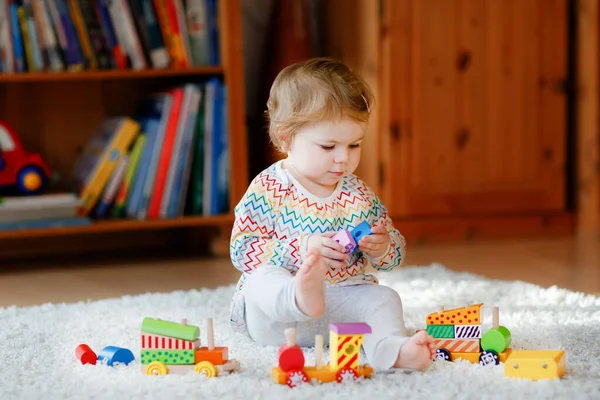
(563, 261)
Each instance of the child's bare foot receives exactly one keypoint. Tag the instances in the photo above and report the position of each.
(310, 286)
(417, 352)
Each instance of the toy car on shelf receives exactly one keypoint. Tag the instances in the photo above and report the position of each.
(19, 168)
(345, 340)
(170, 347)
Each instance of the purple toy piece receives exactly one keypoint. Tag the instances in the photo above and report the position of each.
(344, 238)
(350, 328)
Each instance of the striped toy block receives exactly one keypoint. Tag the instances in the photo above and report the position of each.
(150, 341)
(441, 331)
(467, 331)
(458, 345)
(180, 357)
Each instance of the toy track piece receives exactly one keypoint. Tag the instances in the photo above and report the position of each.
(442, 355)
(156, 368)
(296, 378)
(346, 375)
(489, 357)
(206, 368)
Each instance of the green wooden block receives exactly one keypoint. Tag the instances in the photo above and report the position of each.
(441, 331)
(170, 329)
(169, 357)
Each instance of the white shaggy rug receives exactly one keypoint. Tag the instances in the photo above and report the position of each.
(37, 346)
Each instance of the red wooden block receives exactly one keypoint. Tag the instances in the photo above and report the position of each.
(85, 354)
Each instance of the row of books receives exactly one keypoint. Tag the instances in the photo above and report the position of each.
(170, 159)
(76, 35)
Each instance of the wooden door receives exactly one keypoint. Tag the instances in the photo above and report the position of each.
(475, 105)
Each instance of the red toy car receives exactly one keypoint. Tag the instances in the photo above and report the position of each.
(18, 167)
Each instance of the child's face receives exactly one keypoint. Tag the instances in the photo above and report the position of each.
(324, 152)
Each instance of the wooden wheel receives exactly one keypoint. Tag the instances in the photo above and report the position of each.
(296, 377)
(206, 368)
(346, 375)
(156, 368)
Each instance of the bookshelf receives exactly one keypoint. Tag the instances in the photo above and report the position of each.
(55, 114)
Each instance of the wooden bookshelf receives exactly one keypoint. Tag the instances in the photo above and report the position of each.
(55, 114)
(108, 74)
(124, 225)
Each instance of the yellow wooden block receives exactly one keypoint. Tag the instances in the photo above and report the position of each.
(457, 316)
(474, 357)
(535, 364)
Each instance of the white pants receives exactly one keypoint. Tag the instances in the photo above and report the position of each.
(270, 308)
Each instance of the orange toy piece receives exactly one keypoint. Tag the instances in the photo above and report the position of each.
(456, 316)
(85, 354)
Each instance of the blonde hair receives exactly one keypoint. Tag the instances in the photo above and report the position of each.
(316, 90)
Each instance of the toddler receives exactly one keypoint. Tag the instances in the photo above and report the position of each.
(293, 273)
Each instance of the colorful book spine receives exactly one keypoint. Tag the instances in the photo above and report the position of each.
(123, 193)
(121, 140)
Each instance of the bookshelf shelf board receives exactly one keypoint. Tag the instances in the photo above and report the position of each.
(108, 74)
(120, 226)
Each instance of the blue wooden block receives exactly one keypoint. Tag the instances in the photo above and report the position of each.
(112, 354)
(361, 230)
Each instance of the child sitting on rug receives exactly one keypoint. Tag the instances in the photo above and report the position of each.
(293, 273)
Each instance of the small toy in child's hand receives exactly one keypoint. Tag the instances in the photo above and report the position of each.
(350, 238)
(361, 230)
(346, 239)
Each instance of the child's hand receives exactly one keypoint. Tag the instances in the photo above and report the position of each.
(334, 253)
(376, 243)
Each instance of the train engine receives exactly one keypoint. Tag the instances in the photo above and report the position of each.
(170, 347)
(458, 334)
(345, 341)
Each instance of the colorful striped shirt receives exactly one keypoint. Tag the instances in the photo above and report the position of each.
(277, 215)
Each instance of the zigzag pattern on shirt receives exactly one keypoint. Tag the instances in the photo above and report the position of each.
(274, 216)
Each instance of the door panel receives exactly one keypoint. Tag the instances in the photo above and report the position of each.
(475, 105)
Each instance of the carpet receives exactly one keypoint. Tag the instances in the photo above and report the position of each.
(37, 345)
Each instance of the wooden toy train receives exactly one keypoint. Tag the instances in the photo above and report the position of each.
(458, 334)
(169, 347)
(345, 341)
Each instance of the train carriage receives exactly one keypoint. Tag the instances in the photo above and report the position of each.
(345, 341)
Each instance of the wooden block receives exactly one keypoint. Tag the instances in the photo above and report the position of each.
(457, 316)
(458, 345)
(467, 331)
(535, 364)
(441, 331)
(168, 357)
(344, 238)
(361, 230)
(151, 341)
(218, 356)
(85, 354)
